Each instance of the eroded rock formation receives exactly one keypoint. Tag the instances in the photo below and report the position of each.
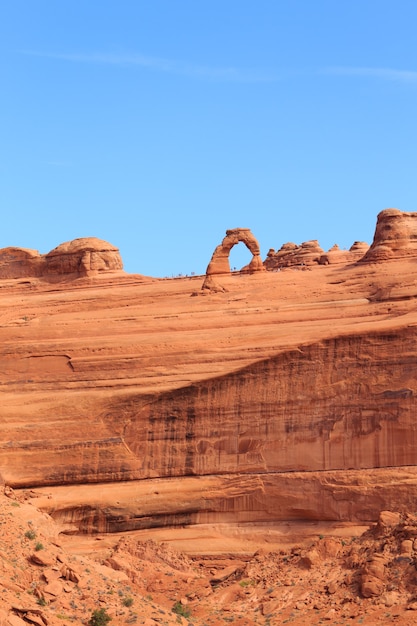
(84, 257)
(395, 236)
(291, 395)
(20, 263)
(291, 254)
(291, 574)
(336, 256)
(219, 263)
(310, 253)
(81, 257)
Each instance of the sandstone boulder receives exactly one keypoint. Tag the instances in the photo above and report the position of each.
(387, 521)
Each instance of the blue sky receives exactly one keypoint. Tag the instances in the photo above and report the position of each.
(158, 124)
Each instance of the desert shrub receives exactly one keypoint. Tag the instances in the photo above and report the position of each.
(99, 617)
(30, 534)
(127, 601)
(180, 609)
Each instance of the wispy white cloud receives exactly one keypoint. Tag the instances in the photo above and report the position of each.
(404, 76)
(157, 64)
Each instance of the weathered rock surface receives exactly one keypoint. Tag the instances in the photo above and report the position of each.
(219, 263)
(266, 415)
(291, 254)
(291, 395)
(20, 262)
(395, 236)
(84, 257)
(342, 257)
(340, 573)
(81, 257)
(310, 253)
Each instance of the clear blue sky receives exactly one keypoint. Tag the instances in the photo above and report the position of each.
(158, 124)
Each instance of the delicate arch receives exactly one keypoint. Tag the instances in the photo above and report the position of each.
(219, 263)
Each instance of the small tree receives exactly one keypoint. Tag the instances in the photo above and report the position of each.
(99, 617)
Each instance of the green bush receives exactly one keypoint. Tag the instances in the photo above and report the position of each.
(127, 601)
(30, 534)
(99, 617)
(180, 609)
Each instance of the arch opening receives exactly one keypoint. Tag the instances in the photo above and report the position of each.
(239, 257)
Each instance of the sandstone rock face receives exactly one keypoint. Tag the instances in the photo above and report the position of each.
(290, 395)
(80, 257)
(395, 236)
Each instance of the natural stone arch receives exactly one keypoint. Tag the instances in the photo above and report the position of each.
(219, 263)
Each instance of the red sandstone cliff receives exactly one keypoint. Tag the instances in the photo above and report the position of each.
(258, 403)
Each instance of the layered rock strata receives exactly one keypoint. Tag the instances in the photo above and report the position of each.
(291, 395)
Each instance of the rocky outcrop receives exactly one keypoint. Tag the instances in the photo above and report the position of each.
(254, 403)
(395, 236)
(355, 496)
(338, 574)
(291, 255)
(336, 256)
(219, 263)
(81, 257)
(309, 254)
(20, 263)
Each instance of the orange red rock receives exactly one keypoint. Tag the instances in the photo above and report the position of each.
(395, 236)
(81, 257)
(289, 395)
